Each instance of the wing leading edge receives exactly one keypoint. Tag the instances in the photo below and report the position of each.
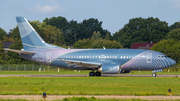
(83, 64)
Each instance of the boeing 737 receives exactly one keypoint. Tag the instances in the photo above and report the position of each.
(106, 61)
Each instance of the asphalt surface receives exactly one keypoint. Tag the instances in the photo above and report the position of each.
(56, 97)
(86, 75)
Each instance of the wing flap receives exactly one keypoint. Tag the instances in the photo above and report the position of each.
(83, 64)
(19, 51)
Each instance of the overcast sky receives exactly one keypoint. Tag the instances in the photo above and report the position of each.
(113, 13)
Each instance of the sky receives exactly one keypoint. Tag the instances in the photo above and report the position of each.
(113, 13)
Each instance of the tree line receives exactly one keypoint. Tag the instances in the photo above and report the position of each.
(90, 34)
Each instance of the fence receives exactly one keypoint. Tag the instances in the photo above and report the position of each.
(24, 67)
(38, 67)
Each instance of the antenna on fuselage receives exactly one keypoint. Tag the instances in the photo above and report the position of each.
(104, 47)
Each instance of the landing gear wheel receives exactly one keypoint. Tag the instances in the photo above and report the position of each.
(98, 73)
(154, 74)
(91, 74)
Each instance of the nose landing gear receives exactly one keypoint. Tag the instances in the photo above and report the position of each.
(154, 74)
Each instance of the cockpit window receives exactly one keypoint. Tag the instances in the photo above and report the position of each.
(162, 56)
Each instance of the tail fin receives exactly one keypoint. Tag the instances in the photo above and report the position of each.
(30, 38)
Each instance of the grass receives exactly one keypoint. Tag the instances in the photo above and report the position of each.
(13, 100)
(86, 99)
(94, 99)
(43, 72)
(76, 72)
(89, 85)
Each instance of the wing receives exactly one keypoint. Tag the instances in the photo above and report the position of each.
(19, 51)
(83, 64)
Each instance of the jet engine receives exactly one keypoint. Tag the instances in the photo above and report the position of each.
(112, 69)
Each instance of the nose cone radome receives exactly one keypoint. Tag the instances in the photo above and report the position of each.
(172, 62)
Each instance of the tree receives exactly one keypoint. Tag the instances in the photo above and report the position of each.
(96, 35)
(169, 47)
(143, 30)
(60, 38)
(2, 33)
(99, 43)
(2, 55)
(15, 34)
(174, 34)
(118, 36)
(90, 25)
(175, 25)
(8, 39)
(108, 36)
(71, 34)
(59, 22)
(85, 43)
(108, 44)
(74, 31)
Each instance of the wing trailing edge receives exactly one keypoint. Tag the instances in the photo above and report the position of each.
(83, 63)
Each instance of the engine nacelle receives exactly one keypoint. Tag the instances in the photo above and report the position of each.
(110, 69)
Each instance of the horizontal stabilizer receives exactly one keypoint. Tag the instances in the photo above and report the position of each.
(19, 51)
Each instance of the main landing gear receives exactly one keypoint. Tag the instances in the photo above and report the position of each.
(95, 73)
(154, 74)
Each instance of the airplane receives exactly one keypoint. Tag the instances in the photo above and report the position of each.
(106, 61)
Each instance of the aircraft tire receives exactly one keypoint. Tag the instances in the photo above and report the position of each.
(98, 73)
(91, 74)
(154, 74)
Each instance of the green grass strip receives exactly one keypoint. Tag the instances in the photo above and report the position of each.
(89, 85)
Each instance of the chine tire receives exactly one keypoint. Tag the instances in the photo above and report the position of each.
(154, 74)
(91, 74)
(98, 73)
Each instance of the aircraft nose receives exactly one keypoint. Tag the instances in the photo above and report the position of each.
(172, 62)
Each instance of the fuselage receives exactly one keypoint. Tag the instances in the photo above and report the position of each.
(110, 61)
(128, 59)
